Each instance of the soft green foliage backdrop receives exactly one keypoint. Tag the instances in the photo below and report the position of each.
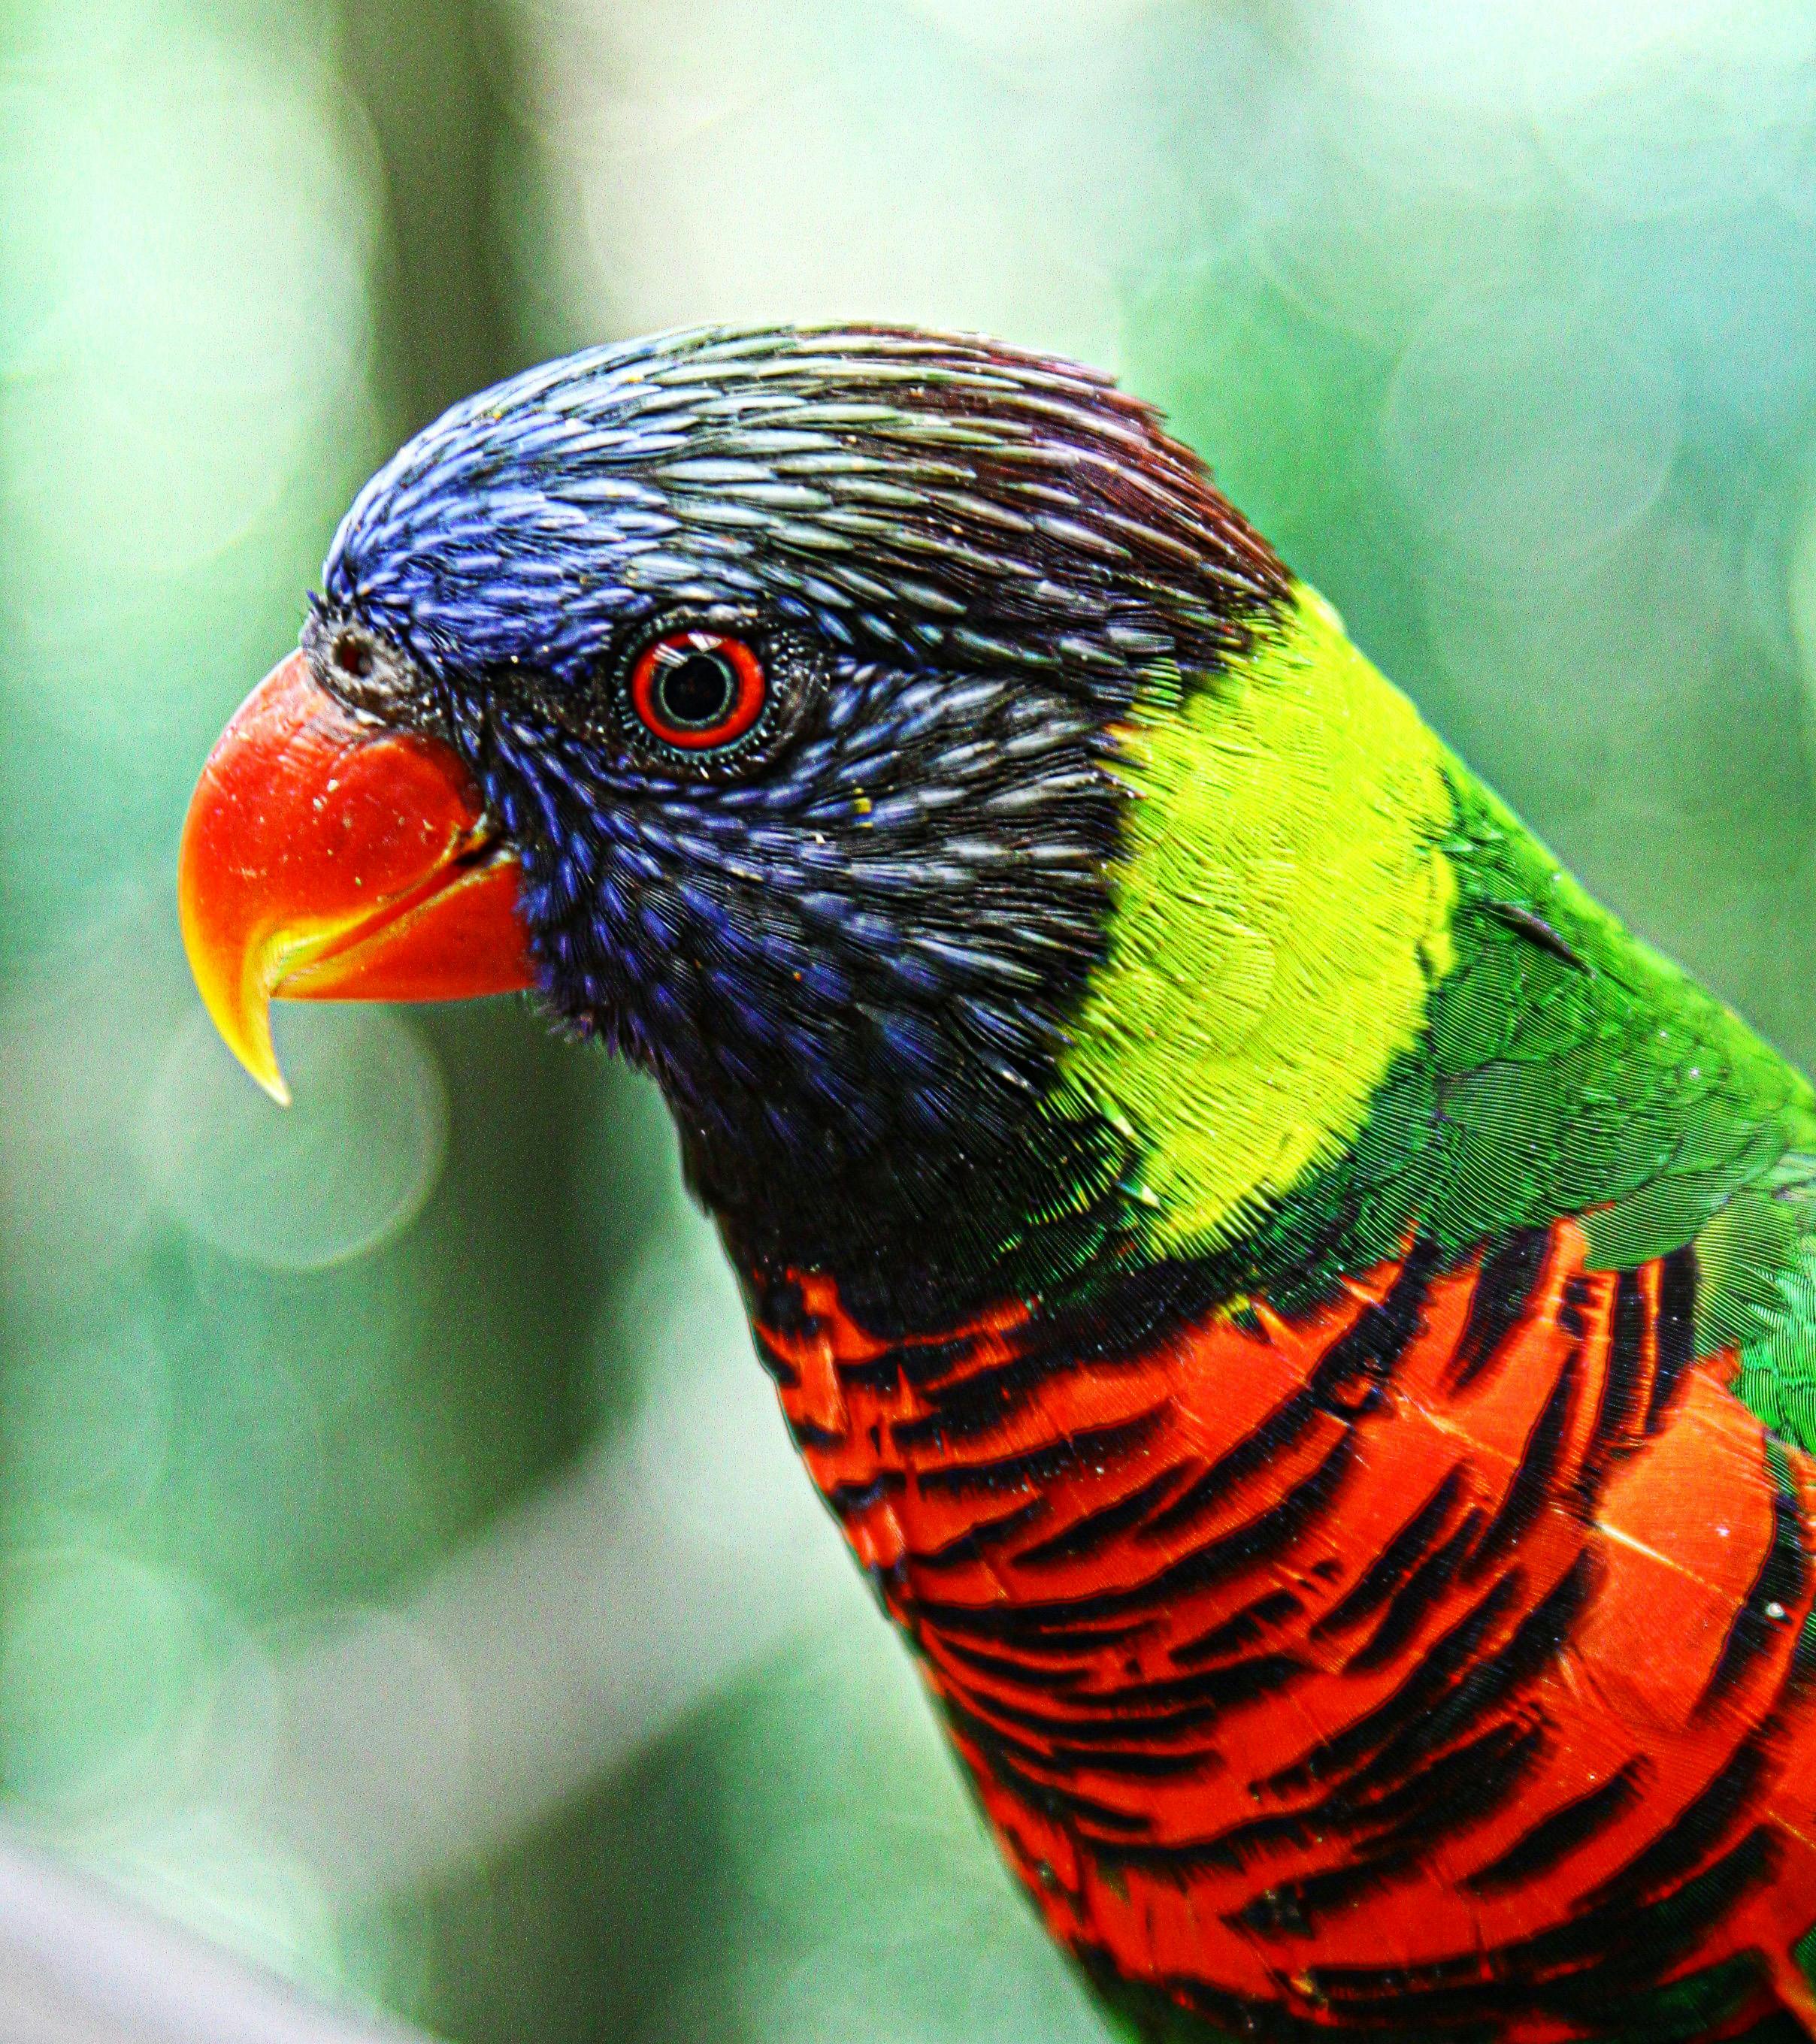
(401, 1573)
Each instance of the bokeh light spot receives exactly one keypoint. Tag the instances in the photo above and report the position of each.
(1661, 106)
(1525, 435)
(105, 1659)
(298, 1188)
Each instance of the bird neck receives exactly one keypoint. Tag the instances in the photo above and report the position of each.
(1279, 912)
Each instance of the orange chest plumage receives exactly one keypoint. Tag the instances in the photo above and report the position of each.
(1438, 1659)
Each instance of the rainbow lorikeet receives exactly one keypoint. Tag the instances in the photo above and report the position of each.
(1309, 1324)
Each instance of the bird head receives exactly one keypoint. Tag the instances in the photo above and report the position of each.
(754, 698)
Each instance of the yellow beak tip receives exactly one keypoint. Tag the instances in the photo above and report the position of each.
(244, 1026)
(272, 1084)
(251, 1042)
(259, 1059)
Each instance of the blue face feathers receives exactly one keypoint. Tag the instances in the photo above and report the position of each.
(848, 943)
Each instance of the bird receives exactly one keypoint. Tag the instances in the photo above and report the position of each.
(1307, 1323)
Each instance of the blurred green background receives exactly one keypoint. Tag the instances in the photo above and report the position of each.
(403, 1576)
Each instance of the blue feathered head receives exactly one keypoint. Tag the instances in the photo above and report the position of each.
(790, 665)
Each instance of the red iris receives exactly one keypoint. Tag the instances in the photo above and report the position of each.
(697, 691)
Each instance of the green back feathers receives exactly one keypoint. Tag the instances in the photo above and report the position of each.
(1588, 1074)
(1349, 994)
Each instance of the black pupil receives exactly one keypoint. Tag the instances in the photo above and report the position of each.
(699, 690)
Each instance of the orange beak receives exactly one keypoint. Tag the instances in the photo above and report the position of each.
(325, 859)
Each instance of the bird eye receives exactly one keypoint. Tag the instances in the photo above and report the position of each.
(698, 691)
